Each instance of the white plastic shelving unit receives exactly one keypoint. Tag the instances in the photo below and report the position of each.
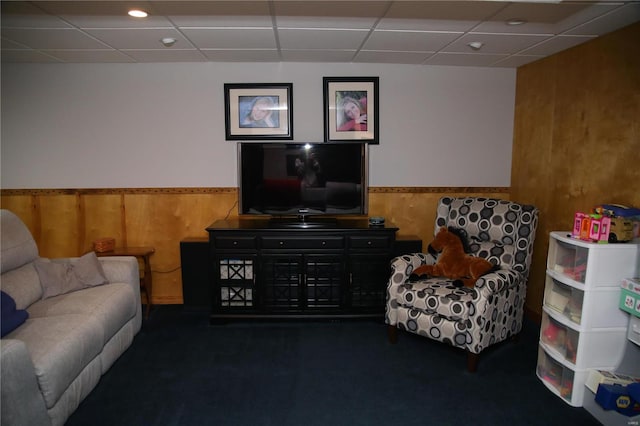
(582, 326)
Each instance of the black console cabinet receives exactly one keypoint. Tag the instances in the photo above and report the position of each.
(265, 269)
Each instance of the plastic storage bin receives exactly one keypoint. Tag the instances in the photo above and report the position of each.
(587, 348)
(570, 302)
(565, 382)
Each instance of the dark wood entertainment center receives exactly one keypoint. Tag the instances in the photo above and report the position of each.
(264, 268)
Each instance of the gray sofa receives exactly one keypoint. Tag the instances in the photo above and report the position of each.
(64, 321)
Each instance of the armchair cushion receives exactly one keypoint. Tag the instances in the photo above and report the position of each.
(494, 251)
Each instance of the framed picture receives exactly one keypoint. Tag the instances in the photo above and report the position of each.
(259, 111)
(351, 109)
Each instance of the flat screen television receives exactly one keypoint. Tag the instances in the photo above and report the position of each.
(300, 179)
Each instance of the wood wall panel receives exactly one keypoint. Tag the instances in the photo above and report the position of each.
(577, 136)
(65, 222)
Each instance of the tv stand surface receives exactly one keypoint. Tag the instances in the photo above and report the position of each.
(303, 222)
(337, 269)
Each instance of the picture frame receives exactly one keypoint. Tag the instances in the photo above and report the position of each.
(345, 97)
(258, 111)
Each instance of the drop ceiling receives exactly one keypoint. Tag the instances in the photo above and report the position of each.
(400, 32)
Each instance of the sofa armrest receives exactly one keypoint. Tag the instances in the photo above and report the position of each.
(124, 269)
(21, 402)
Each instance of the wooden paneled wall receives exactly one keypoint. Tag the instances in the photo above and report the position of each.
(66, 222)
(577, 136)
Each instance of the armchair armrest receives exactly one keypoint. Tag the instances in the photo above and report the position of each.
(498, 281)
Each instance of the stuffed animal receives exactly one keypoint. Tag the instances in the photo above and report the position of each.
(453, 262)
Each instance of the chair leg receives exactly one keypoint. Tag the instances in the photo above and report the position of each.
(392, 333)
(472, 362)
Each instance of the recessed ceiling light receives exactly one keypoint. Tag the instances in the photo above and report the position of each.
(516, 21)
(137, 13)
(475, 45)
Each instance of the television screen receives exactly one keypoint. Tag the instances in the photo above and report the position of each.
(302, 179)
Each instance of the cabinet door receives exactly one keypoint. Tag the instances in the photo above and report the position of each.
(323, 281)
(235, 285)
(368, 278)
(281, 281)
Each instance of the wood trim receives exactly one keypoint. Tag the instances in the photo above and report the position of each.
(111, 191)
(437, 189)
(230, 190)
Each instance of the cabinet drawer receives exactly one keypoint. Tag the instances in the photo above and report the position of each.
(232, 242)
(302, 243)
(369, 242)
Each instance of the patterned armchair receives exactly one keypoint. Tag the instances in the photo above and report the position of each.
(469, 318)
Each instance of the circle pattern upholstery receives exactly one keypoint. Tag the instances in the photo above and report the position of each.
(470, 318)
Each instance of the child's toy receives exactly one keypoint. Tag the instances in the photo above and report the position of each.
(453, 262)
(623, 399)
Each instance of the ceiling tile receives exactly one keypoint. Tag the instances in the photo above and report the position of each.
(325, 22)
(618, 18)
(337, 9)
(409, 41)
(444, 10)
(321, 39)
(117, 21)
(166, 55)
(514, 61)
(212, 8)
(231, 38)
(248, 55)
(138, 38)
(52, 38)
(33, 21)
(462, 59)
(318, 55)
(216, 21)
(556, 44)
(27, 56)
(81, 56)
(390, 57)
(495, 43)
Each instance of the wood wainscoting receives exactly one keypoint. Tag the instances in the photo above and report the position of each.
(65, 222)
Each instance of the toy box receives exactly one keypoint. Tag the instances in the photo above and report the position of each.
(630, 296)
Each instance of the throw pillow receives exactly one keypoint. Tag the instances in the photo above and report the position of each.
(88, 270)
(61, 277)
(10, 317)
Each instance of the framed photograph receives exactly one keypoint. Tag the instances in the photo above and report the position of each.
(260, 111)
(351, 109)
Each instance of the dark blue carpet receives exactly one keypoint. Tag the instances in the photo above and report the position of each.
(182, 371)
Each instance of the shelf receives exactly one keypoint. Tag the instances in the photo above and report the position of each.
(582, 327)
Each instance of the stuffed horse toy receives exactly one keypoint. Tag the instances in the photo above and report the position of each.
(453, 262)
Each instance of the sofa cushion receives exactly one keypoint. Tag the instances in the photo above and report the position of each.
(17, 244)
(64, 276)
(60, 348)
(11, 318)
(23, 285)
(112, 304)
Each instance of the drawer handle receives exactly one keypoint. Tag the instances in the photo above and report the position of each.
(281, 243)
(369, 243)
(324, 243)
(235, 243)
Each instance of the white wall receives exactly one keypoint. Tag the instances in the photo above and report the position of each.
(162, 125)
